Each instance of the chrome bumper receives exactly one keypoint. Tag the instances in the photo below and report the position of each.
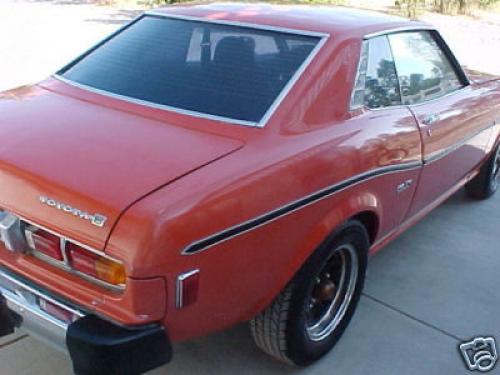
(26, 302)
(96, 346)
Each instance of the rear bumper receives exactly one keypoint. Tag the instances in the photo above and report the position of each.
(22, 308)
(95, 346)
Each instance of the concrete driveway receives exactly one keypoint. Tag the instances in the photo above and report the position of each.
(434, 287)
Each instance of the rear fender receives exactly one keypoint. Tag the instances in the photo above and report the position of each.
(350, 206)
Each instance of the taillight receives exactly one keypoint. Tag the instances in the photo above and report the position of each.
(44, 242)
(95, 265)
(187, 288)
(74, 257)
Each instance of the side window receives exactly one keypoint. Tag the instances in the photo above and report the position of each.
(358, 93)
(424, 70)
(377, 81)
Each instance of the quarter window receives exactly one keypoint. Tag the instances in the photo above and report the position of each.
(377, 81)
(424, 70)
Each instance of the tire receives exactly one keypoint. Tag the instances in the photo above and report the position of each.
(291, 328)
(487, 182)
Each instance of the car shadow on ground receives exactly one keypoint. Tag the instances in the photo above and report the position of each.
(227, 351)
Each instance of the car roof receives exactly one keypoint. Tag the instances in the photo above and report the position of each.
(337, 20)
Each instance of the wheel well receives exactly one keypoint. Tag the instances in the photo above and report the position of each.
(370, 221)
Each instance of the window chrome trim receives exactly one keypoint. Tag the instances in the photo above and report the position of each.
(449, 56)
(365, 45)
(410, 106)
(451, 93)
(155, 105)
(400, 30)
(400, 87)
(247, 25)
(98, 44)
(289, 86)
(255, 124)
(446, 51)
(271, 216)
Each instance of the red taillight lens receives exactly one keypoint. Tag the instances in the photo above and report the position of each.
(44, 242)
(82, 260)
(187, 288)
(95, 265)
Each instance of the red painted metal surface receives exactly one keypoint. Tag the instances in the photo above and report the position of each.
(166, 180)
(462, 116)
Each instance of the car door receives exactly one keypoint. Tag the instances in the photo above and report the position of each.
(388, 128)
(455, 129)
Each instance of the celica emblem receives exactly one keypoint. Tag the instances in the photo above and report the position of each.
(96, 219)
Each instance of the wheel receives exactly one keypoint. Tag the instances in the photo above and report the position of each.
(310, 315)
(486, 183)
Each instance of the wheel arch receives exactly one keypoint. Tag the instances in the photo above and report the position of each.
(363, 208)
(370, 221)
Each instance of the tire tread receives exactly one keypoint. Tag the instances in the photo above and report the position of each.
(278, 330)
(269, 327)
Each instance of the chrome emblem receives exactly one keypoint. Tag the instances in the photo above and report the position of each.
(96, 219)
(404, 186)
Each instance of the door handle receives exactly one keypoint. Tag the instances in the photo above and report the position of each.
(431, 119)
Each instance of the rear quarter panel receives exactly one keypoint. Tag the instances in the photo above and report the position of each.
(312, 142)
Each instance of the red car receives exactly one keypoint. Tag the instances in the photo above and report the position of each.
(214, 164)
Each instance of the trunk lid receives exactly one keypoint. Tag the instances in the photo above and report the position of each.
(479, 78)
(86, 157)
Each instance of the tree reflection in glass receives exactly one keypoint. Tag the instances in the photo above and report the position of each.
(382, 89)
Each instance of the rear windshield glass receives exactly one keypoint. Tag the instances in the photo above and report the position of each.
(220, 70)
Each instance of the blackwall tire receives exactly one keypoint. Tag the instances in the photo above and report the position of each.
(310, 315)
(487, 182)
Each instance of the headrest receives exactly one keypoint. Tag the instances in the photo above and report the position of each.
(235, 50)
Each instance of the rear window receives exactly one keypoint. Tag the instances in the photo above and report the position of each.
(233, 72)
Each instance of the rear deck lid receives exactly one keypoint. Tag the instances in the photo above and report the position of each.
(67, 164)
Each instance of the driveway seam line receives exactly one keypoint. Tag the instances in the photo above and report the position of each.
(415, 319)
(13, 341)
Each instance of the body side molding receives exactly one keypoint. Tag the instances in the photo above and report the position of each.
(227, 234)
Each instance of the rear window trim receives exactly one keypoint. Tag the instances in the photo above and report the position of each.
(323, 37)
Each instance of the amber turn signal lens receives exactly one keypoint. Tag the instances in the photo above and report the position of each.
(97, 266)
(110, 271)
